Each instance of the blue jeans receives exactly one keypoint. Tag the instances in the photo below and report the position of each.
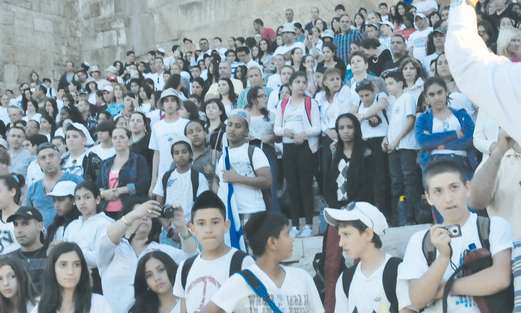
(405, 180)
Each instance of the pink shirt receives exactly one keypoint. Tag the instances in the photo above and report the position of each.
(114, 205)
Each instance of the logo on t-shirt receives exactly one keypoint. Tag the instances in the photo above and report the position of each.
(206, 286)
(6, 239)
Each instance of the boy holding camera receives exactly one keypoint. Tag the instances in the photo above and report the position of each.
(183, 184)
(460, 234)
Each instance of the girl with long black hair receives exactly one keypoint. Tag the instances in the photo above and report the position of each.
(17, 293)
(67, 284)
(153, 284)
(10, 194)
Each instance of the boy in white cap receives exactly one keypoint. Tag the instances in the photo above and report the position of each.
(63, 199)
(164, 134)
(371, 284)
(80, 161)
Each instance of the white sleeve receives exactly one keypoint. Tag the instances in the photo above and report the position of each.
(247, 262)
(179, 291)
(105, 252)
(490, 81)
(231, 292)
(500, 235)
(341, 304)
(315, 304)
(402, 294)
(203, 184)
(100, 304)
(259, 159)
(410, 107)
(152, 143)
(414, 264)
(278, 128)
(315, 120)
(480, 139)
(158, 188)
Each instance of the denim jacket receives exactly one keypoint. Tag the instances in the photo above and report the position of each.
(429, 141)
(134, 174)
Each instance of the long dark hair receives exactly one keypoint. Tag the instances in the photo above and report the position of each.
(51, 298)
(14, 181)
(355, 170)
(25, 289)
(252, 96)
(231, 88)
(147, 301)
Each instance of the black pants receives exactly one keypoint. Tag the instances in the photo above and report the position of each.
(299, 168)
(380, 176)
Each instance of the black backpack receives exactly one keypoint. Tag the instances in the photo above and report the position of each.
(194, 176)
(235, 265)
(266, 193)
(503, 301)
(389, 279)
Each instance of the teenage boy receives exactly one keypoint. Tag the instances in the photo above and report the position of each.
(164, 133)
(104, 149)
(291, 289)
(182, 185)
(249, 167)
(200, 277)
(371, 285)
(447, 190)
(402, 148)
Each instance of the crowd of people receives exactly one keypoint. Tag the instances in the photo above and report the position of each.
(116, 184)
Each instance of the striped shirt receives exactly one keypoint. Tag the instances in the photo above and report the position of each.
(343, 43)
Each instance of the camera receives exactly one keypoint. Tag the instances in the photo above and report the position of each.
(167, 211)
(454, 230)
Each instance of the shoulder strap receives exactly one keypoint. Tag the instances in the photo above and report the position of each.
(389, 279)
(283, 105)
(307, 105)
(164, 180)
(236, 262)
(260, 290)
(194, 177)
(347, 278)
(251, 150)
(483, 224)
(187, 265)
(428, 249)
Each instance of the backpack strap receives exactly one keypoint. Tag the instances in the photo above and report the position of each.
(164, 180)
(389, 279)
(307, 105)
(236, 262)
(251, 150)
(266, 193)
(187, 265)
(428, 248)
(483, 224)
(194, 177)
(347, 278)
(260, 290)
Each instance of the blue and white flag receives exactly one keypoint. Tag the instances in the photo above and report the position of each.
(232, 213)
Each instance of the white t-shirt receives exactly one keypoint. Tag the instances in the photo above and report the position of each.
(372, 132)
(179, 190)
(418, 42)
(103, 153)
(260, 127)
(163, 135)
(458, 101)
(159, 81)
(367, 293)
(204, 279)
(297, 293)
(398, 112)
(285, 49)
(342, 103)
(274, 82)
(248, 199)
(86, 234)
(451, 123)
(97, 304)
(154, 116)
(7, 239)
(414, 264)
(74, 166)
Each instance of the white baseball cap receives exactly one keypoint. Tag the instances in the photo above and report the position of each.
(288, 28)
(88, 139)
(63, 188)
(364, 212)
(328, 33)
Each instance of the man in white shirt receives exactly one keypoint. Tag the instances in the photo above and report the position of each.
(289, 33)
(225, 71)
(157, 73)
(104, 149)
(417, 43)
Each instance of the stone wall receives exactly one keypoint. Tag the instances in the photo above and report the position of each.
(36, 35)
(41, 34)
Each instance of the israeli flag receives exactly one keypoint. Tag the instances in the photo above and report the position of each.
(236, 236)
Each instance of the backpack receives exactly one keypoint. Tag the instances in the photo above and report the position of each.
(307, 106)
(235, 265)
(501, 302)
(194, 177)
(389, 279)
(266, 193)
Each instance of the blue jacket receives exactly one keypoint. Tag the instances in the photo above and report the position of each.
(429, 141)
(134, 174)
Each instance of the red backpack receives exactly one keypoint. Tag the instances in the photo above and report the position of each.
(307, 105)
